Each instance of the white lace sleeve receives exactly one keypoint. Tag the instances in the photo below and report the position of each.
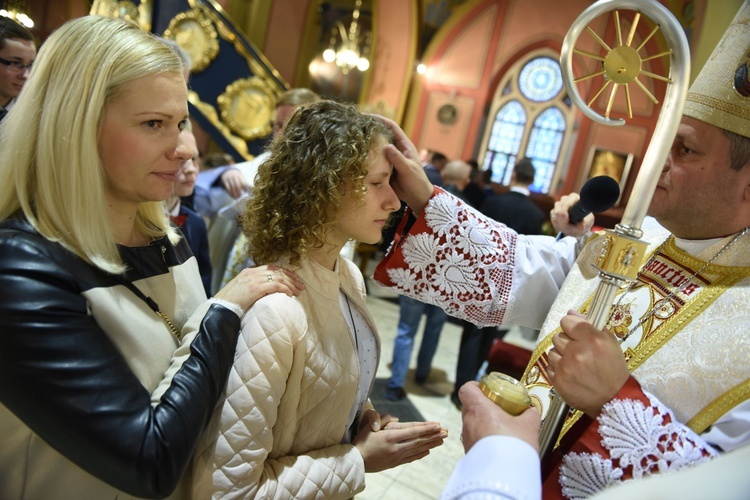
(640, 440)
(465, 263)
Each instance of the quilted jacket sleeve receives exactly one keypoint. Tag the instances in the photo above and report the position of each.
(238, 459)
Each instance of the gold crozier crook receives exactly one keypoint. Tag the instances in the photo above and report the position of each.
(622, 65)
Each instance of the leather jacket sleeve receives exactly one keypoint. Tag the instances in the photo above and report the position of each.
(63, 377)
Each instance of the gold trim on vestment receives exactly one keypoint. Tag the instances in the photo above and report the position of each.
(726, 277)
(719, 406)
(717, 104)
(720, 278)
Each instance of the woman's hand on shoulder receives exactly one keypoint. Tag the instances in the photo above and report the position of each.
(255, 282)
(397, 443)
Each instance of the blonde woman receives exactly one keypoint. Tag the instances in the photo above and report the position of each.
(112, 358)
(296, 421)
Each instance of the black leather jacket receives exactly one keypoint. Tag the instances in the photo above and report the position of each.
(65, 379)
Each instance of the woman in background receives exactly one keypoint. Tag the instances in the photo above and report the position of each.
(297, 421)
(112, 359)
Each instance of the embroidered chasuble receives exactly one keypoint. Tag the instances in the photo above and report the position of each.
(694, 342)
(684, 328)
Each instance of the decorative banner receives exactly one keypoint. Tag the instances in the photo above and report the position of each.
(233, 87)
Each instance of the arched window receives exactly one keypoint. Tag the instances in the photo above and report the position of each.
(544, 145)
(505, 139)
(532, 117)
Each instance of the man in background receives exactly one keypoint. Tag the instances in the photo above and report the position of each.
(190, 223)
(434, 167)
(515, 209)
(17, 54)
(475, 191)
(411, 310)
(456, 176)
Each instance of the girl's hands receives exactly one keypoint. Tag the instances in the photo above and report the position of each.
(397, 443)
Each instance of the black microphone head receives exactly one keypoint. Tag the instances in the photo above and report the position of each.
(600, 193)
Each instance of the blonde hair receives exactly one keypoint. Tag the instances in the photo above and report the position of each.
(320, 158)
(49, 159)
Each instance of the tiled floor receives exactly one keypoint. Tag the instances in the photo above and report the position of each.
(423, 479)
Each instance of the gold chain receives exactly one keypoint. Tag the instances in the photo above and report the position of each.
(171, 326)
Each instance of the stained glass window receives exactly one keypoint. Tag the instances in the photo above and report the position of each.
(531, 121)
(540, 79)
(505, 141)
(545, 142)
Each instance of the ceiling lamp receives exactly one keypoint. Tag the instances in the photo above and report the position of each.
(16, 10)
(349, 49)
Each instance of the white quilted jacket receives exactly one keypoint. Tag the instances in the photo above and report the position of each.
(288, 398)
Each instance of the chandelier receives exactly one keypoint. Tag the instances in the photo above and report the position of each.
(349, 49)
(16, 10)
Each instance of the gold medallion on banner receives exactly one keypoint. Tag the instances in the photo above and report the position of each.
(247, 106)
(194, 32)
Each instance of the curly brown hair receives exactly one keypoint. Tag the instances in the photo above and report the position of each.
(320, 158)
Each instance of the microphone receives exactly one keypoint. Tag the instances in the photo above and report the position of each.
(597, 195)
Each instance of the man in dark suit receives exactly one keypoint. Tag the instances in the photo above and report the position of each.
(193, 227)
(434, 167)
(411, 311)
(517, 211)
(475, 192)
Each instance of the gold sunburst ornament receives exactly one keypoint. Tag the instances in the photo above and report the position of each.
(622, 64)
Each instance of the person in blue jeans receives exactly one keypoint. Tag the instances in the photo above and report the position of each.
(408, 323)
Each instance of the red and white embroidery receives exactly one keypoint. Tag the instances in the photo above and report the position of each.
(641, 440)
(461, 262)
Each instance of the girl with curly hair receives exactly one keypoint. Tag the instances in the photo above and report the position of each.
(297, 421)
